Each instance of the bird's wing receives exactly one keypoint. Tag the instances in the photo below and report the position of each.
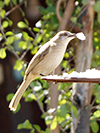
(45, 49)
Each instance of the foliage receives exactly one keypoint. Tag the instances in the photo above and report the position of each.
(45, 28)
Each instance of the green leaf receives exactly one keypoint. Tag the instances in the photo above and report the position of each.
(62, 111)
(25, 35)
(97, 6)
(5, 24)
(10, 22)
(32, 131)
(23, 45)
(37, 127)
(47, 130)
(1, 4)
(18, 108)
(84, 2)
(2, 53)
(34, 50)
(96, 114)
(75, 111)
(2, 13)
(94, 126)
(9, 33)
(98, 17)
(26, 21)
(21, 24)
(54, 123)
(15, 2)
(7, 2)
(64, 64)
(38, 39)
(27, 92)
(9, 96)
(25, 125)
(10, 40)
(19, 65)
(36, 29)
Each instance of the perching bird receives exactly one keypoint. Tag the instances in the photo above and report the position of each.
(48, 57)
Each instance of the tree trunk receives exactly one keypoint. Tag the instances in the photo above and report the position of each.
(83, 62)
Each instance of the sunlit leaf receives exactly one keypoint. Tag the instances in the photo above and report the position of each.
(23, 45)
(19, 65)
(2, 53)
(25, 35)
(54, 123)
(36, 29)
(9, 33)
(62, 101)
(7, 2)
(97, 114)
(5, 24)
(25, 125)
(10, 39)
(2, 13)
(38, 39)
(34, 50)
(21, 24)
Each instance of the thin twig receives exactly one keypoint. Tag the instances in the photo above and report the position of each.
(32, 33)
(14, 8)
(14, 53)
(23, 55)
(2, 32)
(41, 108)
(83, 8)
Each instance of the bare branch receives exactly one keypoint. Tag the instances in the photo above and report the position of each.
(57, 10)
(14, 8)
(1, 29)
(41, 108)
(71, 80)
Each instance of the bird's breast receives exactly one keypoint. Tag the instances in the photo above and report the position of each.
(50, 61)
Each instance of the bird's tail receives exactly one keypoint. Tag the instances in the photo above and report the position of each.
(17, 97)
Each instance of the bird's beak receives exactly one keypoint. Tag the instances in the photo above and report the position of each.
(72, 35)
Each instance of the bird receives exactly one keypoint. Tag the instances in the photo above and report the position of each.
(45, 61)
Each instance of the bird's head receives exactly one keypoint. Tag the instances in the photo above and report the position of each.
(64, 36)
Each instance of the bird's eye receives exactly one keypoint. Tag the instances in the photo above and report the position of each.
(65, 34)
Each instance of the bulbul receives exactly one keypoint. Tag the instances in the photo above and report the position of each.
(48, 57)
